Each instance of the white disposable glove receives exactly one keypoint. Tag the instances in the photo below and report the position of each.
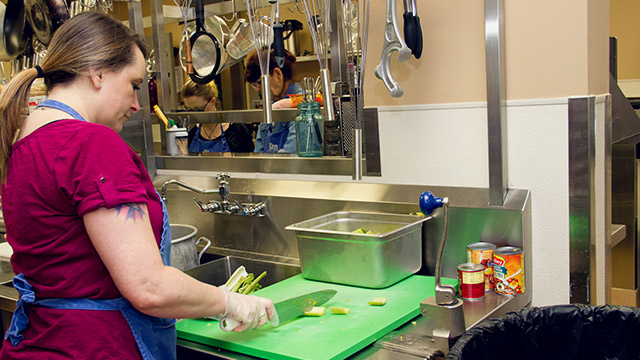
(244, 312)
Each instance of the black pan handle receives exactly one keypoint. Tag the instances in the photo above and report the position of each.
(278, 44)
(199, 15)
(417, 52)
(409, 31)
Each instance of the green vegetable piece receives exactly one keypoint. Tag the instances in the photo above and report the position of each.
(235, 278)
(340, 310)
(252, 286)
(315, 311)
(359, 231)
(245, 282)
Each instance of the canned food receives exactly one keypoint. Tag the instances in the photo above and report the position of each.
(482, 253)
(508, 271)
(471, 281)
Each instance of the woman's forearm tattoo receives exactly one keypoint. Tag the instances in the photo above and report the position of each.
(132, 211)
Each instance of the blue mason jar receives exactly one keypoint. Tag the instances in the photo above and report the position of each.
(309, 129)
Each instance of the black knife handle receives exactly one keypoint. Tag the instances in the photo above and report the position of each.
(278, 44)
(409, 30)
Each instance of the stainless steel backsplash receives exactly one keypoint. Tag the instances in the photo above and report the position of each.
(291, 201)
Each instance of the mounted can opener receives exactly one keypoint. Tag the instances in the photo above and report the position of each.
(392, 42)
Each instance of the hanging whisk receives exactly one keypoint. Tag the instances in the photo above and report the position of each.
(259, 14)
(184, 6)
(356, 29)
(317, 14)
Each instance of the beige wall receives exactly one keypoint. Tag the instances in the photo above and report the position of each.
(553, 48)
(598, 52)
(624, 26)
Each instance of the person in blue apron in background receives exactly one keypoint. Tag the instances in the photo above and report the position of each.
(90, 235)
(279, 137)
(213, 137)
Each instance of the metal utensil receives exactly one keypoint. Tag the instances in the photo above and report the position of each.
(317, 14)
(307, 90)
(356, 30)
(291, 308)
(278, 30)
(39, 51)
(185, 44)
(4, 74)
(259, 15)
(392, 42)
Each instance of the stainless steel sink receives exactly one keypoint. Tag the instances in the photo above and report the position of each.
(217, 271)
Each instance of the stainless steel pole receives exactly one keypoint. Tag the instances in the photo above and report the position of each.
(496, 101)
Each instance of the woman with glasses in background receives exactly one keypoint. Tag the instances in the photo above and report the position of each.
(213, 137)
(279, 137)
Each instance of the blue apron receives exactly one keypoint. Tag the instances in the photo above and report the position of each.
(274, 136)
(155, 337)
(199, 145)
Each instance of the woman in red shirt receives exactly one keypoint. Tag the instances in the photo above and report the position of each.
(89, 232)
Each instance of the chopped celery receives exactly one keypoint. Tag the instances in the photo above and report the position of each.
(340, 310)
(379, 301)
(235, 278)
(253, 286)
(315, 311)
(242, 282)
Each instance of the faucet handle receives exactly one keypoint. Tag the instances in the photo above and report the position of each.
(210, 207)
(223, 176)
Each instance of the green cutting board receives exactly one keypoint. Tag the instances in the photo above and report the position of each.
(326, 337)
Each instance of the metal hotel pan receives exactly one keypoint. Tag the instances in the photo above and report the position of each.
(330, 251)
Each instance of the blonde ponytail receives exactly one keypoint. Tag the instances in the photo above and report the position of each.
(13, 101)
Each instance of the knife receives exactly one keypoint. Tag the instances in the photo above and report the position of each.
(289, 309)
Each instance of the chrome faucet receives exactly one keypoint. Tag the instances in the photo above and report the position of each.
(224, 190)
(163, 192)
(220, 207)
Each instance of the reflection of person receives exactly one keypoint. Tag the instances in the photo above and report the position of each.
(281, 136)
(89, 232)
(213, 137)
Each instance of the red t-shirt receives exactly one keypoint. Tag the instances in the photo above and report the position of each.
(57, 174)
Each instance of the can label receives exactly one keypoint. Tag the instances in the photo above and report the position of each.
(508, 271)
(482, 253)
(471, 281)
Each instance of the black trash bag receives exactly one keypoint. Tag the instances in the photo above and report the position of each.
(566, 332)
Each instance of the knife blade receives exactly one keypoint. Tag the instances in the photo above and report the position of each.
(291, 308)
(294, 307)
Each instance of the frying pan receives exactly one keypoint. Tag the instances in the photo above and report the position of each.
(205, 50)
(14, 32)
(45, 17)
